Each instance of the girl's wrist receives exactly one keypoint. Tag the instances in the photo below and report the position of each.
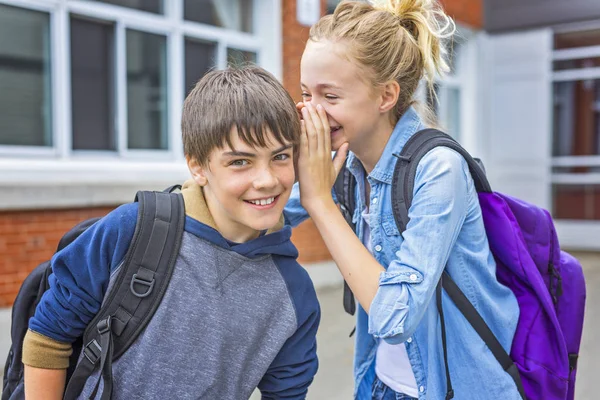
(319, 206)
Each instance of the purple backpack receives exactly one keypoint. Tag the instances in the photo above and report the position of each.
(548, 283)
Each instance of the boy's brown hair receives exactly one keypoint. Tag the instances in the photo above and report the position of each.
(248, 98)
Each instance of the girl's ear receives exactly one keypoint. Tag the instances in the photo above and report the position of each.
(389, 96)
(197, 171)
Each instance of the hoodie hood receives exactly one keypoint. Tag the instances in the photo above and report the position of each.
(199, 221)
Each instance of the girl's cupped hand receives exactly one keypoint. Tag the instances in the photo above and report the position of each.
(316, 169)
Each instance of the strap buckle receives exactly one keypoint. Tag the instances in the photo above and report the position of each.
(104, 326)
(92, 351)
(149, 285)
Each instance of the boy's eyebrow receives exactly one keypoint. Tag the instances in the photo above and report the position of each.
(245, 154)
(282, 148)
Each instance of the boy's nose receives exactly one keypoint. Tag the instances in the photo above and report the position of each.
(265, 179)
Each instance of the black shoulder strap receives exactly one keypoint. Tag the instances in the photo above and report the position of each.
(403, 181)
(483, 330)
(405, 171)
(137, 291)
(344, 188)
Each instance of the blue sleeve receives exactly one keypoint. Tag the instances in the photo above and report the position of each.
(293, 212)
(296, 364)
(80, 276)
(436, 214)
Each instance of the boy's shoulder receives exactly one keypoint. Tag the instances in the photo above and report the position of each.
(299, 283)
(110, 235)
(117, 226)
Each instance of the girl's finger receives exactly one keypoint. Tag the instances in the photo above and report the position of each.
(303, 138)
(318, 125)
(326, 137)
(310, 131)
(340, 158)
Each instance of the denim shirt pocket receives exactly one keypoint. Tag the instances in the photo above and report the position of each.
(388, 223)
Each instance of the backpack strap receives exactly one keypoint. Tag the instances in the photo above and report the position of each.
(403, 182)
(414, 150)
(344, 188)
(483, 330)
(137, 292)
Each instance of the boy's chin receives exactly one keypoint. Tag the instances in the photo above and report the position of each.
(265, 224)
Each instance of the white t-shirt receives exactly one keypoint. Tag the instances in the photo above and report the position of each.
(392, 365)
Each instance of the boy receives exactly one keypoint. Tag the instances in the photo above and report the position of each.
(239, 311)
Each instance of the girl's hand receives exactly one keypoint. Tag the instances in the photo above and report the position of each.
(316, 170)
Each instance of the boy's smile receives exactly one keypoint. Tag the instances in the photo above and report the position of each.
(246, 187)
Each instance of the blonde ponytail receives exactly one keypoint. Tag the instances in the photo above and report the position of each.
(401, 40)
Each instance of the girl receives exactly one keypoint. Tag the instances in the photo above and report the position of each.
(359, 72)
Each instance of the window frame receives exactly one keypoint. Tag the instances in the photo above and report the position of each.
(40, 164)
(571, 75)
(467, 81)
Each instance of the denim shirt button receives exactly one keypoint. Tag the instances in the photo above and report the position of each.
(409, 340)
(374, 201)
(422, 389)
(378, 248)
(413, 277)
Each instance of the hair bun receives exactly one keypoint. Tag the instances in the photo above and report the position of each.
(428, 24)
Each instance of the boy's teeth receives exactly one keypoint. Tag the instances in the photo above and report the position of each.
(263, 202)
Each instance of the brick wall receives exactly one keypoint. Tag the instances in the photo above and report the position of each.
(468, 12)
(28, 238)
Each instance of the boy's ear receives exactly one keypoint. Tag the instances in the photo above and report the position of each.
(197, 171)
(389, 96)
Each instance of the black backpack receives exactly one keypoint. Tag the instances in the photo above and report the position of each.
(402, 191)
(128, 307)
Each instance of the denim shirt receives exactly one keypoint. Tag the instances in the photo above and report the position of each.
(445, 230)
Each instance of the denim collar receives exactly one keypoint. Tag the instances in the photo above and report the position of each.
(407, 125)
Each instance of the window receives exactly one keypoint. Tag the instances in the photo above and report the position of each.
(576, 125)
(92, 85)
(240, 57)
(447, 100)
(146, 91)
(228, 14)
(331, 5)
(25, 78)
(153, 6)
(100, 80)
(200, 57)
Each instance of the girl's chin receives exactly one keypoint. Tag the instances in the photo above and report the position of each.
(336, 144)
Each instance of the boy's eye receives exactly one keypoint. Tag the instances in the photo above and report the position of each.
(281, 157)
(239, 163)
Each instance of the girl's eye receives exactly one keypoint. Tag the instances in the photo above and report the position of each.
(282, 157)
(239, 163)
(305, 95)
(331, 97)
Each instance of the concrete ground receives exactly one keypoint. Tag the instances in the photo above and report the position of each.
(335, 348)
(334, 379)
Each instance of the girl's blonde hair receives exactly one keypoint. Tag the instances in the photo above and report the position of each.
(396, 40)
